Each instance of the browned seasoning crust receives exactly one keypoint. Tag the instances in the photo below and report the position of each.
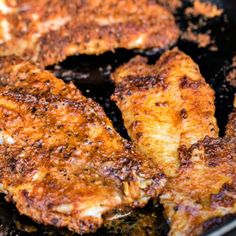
(61, 161)
(206, 9)
(231, 126)
(48, 31)
(164, 106)
(172, 5)
(204, 191)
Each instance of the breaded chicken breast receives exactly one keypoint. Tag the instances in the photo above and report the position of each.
(48, 31)
(164, 106)
(61, 161)
(204, 191)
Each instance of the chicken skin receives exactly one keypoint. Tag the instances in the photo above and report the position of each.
(48, 31)
(165, 106)
(61, 161)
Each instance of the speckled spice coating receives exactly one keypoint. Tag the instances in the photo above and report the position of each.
(204, 191)
(164, 106)
(48, 31)
(61, 161)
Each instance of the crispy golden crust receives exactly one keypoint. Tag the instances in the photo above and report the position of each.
(172, 5)
(231, 126)
(61, 161)
(164, 106)
(48, 31)
(204, 191)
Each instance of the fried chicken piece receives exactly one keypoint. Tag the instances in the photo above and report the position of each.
(204, 191)
(164, 106)
(61, 161)
(49, 31)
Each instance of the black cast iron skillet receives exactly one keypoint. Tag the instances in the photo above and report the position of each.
(91, 76)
